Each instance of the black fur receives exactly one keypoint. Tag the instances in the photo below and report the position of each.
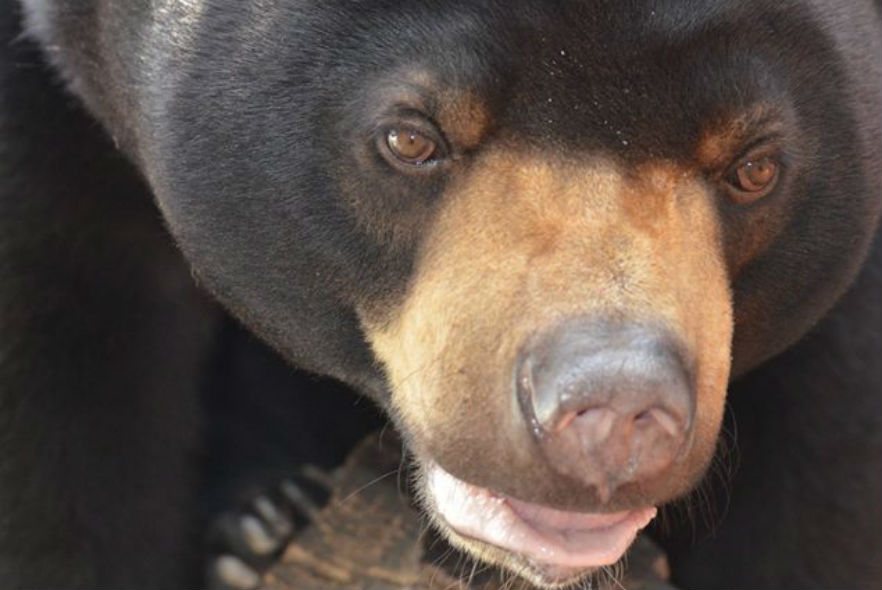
(245, 128)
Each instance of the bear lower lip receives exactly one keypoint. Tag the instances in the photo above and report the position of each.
(551, 539)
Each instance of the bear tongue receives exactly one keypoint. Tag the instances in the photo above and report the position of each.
(570, 540)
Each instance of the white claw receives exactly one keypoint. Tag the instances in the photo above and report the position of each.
(235, 573)
(300, 500)
(280, 524)
(259, 540)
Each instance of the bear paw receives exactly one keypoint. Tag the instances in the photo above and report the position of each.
(245, 542)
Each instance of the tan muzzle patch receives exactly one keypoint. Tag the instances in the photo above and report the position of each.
(521, 243)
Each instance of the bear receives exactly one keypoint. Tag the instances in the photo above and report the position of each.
(596, 260)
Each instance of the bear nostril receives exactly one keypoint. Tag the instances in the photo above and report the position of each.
(566, 420)
(661, 418)
(643, 417)
(595, 425)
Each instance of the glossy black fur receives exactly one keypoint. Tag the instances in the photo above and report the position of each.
(246, 132)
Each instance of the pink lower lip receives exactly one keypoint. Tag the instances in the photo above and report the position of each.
(571, 540)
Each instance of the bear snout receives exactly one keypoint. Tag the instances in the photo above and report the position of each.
(609, 403)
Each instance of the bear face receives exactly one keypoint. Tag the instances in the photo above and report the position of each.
(543, 236)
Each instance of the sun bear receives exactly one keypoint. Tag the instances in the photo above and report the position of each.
(574, 249)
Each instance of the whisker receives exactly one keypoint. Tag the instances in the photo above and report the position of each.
(377, 479)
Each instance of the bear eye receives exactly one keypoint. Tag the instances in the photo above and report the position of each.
(753, 178)
(411, 147)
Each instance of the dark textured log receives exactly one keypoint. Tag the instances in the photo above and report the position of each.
(371, 535)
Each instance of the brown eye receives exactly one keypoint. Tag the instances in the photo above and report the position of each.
(410, 146)
(754, 178)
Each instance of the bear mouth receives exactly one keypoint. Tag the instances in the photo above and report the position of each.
(550, 546)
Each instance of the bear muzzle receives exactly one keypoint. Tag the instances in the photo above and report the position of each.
(608, 403)
(560, 356)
